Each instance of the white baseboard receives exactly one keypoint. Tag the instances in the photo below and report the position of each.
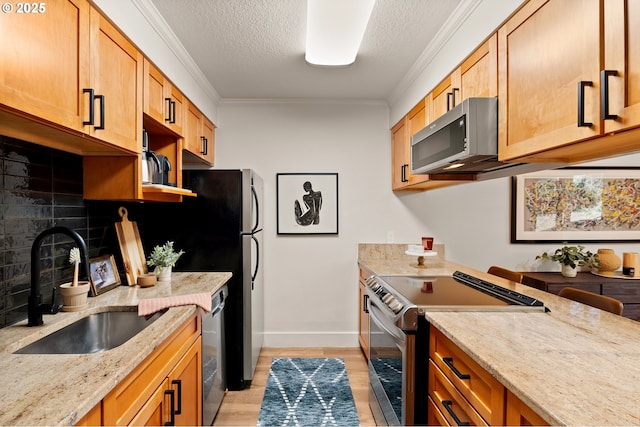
(310, 339)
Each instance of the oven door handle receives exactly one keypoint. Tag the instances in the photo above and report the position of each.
(373, 309)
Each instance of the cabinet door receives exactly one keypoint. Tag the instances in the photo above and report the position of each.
(116, 75)
(622, 55)
(44, 61)
(186, 382)
(477, 76)
(519, 414)
(544, 51)
(443, 97)
(193, 131)
(363, 335)
(157, 410)
(208, 140)
(399, 155)
(162, 101)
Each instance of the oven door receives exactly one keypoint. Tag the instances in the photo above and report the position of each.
(391, 394)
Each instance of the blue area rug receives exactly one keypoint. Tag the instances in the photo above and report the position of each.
(308, 392)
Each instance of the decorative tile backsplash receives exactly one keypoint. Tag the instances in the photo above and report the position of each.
(42, 188)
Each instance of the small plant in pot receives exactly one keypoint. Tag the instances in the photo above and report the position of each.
(570, 258)
(74, 293)
(164, 258)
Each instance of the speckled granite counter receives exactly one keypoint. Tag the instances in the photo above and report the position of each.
(574, 365)
(59, 389)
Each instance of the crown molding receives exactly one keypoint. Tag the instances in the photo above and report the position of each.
(151, 14)
(453, 23)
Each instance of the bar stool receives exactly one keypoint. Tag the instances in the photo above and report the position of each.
(602, 302)
(514, 276)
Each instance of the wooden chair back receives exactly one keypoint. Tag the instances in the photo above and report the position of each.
(602, 302)
(514, 276)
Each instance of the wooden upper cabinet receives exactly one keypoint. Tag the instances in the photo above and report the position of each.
(162, 101)
(477, 76)
(44, 62)
(443, 97)
(622, 60)
(116, 81)
(544, 51)
(401, 135)
(198, 136)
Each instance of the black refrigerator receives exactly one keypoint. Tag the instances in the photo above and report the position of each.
(221, 230)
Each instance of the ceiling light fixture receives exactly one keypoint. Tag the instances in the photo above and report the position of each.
(335, 29)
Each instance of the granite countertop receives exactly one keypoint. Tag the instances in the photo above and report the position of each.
(59, 389)
(574, 365)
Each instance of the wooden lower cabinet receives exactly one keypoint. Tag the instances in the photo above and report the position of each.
(461, 392)
(178, 400)
(519, 414)
(93, 417)
(168, 379)
(363, 331)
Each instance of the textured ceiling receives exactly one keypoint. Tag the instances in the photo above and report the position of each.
(254, 49)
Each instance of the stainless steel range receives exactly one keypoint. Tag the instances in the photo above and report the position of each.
(399, 334)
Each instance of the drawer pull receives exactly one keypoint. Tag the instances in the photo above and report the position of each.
(447, 405)
(581, 122)
(449, 362)
(179, 384)
(172, 408)
(604, 94)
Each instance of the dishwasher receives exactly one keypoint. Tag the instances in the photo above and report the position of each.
(213, 359)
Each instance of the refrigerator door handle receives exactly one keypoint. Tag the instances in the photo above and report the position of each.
(255, 271)
(257, 207)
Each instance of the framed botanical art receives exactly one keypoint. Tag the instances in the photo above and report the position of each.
(104, 274)
(307, 203)
(576, 204)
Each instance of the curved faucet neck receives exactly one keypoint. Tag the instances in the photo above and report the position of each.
(35, 306)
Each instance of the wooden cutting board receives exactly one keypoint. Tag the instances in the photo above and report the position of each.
(135, 262)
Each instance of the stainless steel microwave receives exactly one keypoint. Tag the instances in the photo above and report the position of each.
(463, 140)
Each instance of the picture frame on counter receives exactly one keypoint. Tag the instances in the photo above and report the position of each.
(586, 204)
(104, 274)
(307, 203)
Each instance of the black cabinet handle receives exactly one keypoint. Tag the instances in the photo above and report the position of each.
(604, 94)
(451, 98)
(581, 122)
(203, 149)
(403, 173)
(168, 116)
(173, 112)
(172, 420)
(101, 98)
(447, 405)
(91, 100)
(178, 383)
(449, 362)
(365, 307)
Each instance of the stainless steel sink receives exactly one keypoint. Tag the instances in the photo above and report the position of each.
(94, 333)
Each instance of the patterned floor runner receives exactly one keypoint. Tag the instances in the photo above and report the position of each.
(308, 392)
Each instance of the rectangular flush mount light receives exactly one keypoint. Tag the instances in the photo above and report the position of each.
(335, 29)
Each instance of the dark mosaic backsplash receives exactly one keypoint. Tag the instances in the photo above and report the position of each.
(42, 188)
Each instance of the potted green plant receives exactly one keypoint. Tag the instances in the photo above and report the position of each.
(570, 258)
(164, 258)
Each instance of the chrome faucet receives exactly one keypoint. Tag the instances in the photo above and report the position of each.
(35, 307)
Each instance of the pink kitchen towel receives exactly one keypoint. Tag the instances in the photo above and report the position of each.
(149, 306)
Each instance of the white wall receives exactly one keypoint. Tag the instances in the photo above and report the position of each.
(311, 294)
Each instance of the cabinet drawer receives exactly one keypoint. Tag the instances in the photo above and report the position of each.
(625, 291)
(483, 391)
(434, 416)
(452, 405)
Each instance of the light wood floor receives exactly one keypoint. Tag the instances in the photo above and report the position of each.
(241, 408)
